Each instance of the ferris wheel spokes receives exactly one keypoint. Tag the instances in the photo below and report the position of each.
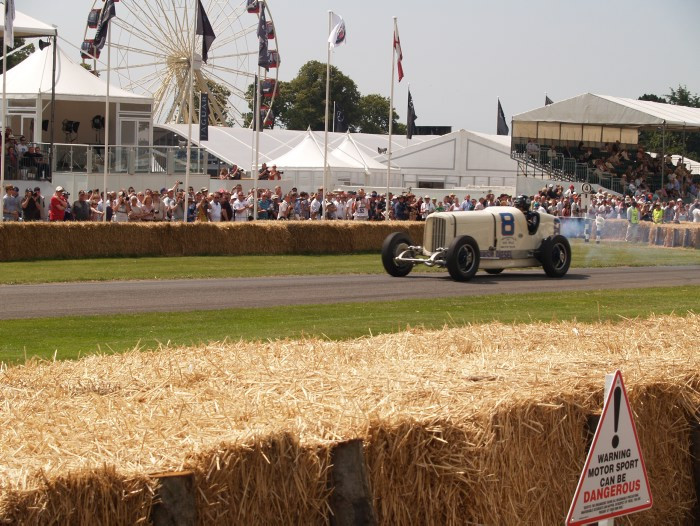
(153, 42)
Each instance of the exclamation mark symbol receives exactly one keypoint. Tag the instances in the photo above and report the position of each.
(617, 396)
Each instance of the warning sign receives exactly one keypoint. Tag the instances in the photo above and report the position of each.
(614, 479)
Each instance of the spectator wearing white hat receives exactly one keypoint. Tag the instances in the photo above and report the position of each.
(58, 205)
(428, 207)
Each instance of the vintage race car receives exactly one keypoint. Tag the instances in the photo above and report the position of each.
(493, 239)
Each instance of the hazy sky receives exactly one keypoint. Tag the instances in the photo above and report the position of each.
(460, 55)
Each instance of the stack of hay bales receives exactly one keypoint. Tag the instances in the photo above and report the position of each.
(28, 241)
(483, 424)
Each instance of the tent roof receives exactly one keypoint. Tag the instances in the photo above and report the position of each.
(235, 145)
(32, 77)
(27, 27)
(350, 151)
(614, 111)
(308, 155)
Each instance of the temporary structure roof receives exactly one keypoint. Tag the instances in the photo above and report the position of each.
(350, 151)
(308, 155)
(603, 110)
(27, 27)
(235, 145)
(32, 77)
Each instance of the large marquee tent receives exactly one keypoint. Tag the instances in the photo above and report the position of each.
(602, 118)
(27, 27)
(79, 96)
(456, 160)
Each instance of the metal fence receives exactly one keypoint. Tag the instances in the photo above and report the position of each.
(541, 163)
(88, 159)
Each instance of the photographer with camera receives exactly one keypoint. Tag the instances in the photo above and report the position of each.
(58, 205)
(235, 172)
(264, 172)
(274, 174)
(174, 203)
(122, 208)
(31, 206)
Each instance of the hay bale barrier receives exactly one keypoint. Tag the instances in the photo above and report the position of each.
(31, 241)
(474, 425)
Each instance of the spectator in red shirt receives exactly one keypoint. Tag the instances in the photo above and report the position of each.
(57, 206)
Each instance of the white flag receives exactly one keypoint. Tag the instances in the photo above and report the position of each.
(337, 36)
(9, 34)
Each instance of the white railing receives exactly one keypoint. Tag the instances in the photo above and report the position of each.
(90, 159)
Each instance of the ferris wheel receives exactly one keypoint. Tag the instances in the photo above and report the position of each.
(151, 49)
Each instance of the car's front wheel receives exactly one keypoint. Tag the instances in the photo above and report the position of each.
(394, 245)
(555, 255)
(463, 258)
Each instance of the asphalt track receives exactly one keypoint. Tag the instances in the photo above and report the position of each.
(116, 297)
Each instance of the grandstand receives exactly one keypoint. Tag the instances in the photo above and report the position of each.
(595, 139)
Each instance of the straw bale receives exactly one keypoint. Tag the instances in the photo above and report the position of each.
(96, 496)
(72, 240)
(481, 424)
(27, 241)
(235, 481)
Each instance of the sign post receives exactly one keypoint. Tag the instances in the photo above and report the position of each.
(614, 479)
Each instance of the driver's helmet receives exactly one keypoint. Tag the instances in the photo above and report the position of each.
(522, 202)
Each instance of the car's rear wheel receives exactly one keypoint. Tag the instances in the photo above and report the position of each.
(494, 270)
(463, 258)
(555, 255)
(394, 245)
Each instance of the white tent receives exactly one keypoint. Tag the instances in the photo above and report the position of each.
(584, 118)
(235, 145)
(80, 95)
(308, 156)
(350, 151)
(32, 77)
(26, 27)
(305, 163)
(459, 159)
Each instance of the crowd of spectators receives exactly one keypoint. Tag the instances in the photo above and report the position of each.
(236, 172)
(635, 171)
(24, 160)
(172, 204)
(655, 207)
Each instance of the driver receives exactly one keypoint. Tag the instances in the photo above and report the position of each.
(522, 203)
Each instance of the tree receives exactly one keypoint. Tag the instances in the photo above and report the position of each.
(302, 101)
(374, 116)
(19, 56)
(677, 143)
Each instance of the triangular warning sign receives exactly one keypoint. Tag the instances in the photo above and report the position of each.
(614, 479)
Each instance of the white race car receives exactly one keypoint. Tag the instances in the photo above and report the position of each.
(492, 239)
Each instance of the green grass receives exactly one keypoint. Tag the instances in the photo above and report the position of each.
(71, 337)
(108, 269)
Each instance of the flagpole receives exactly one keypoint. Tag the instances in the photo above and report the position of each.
(189, 115)
(106, 151)
(257, 140)
(325, 135)
(334, 116)
(391, 119)
(4, 110)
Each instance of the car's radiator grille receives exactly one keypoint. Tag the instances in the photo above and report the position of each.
(438, 226)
